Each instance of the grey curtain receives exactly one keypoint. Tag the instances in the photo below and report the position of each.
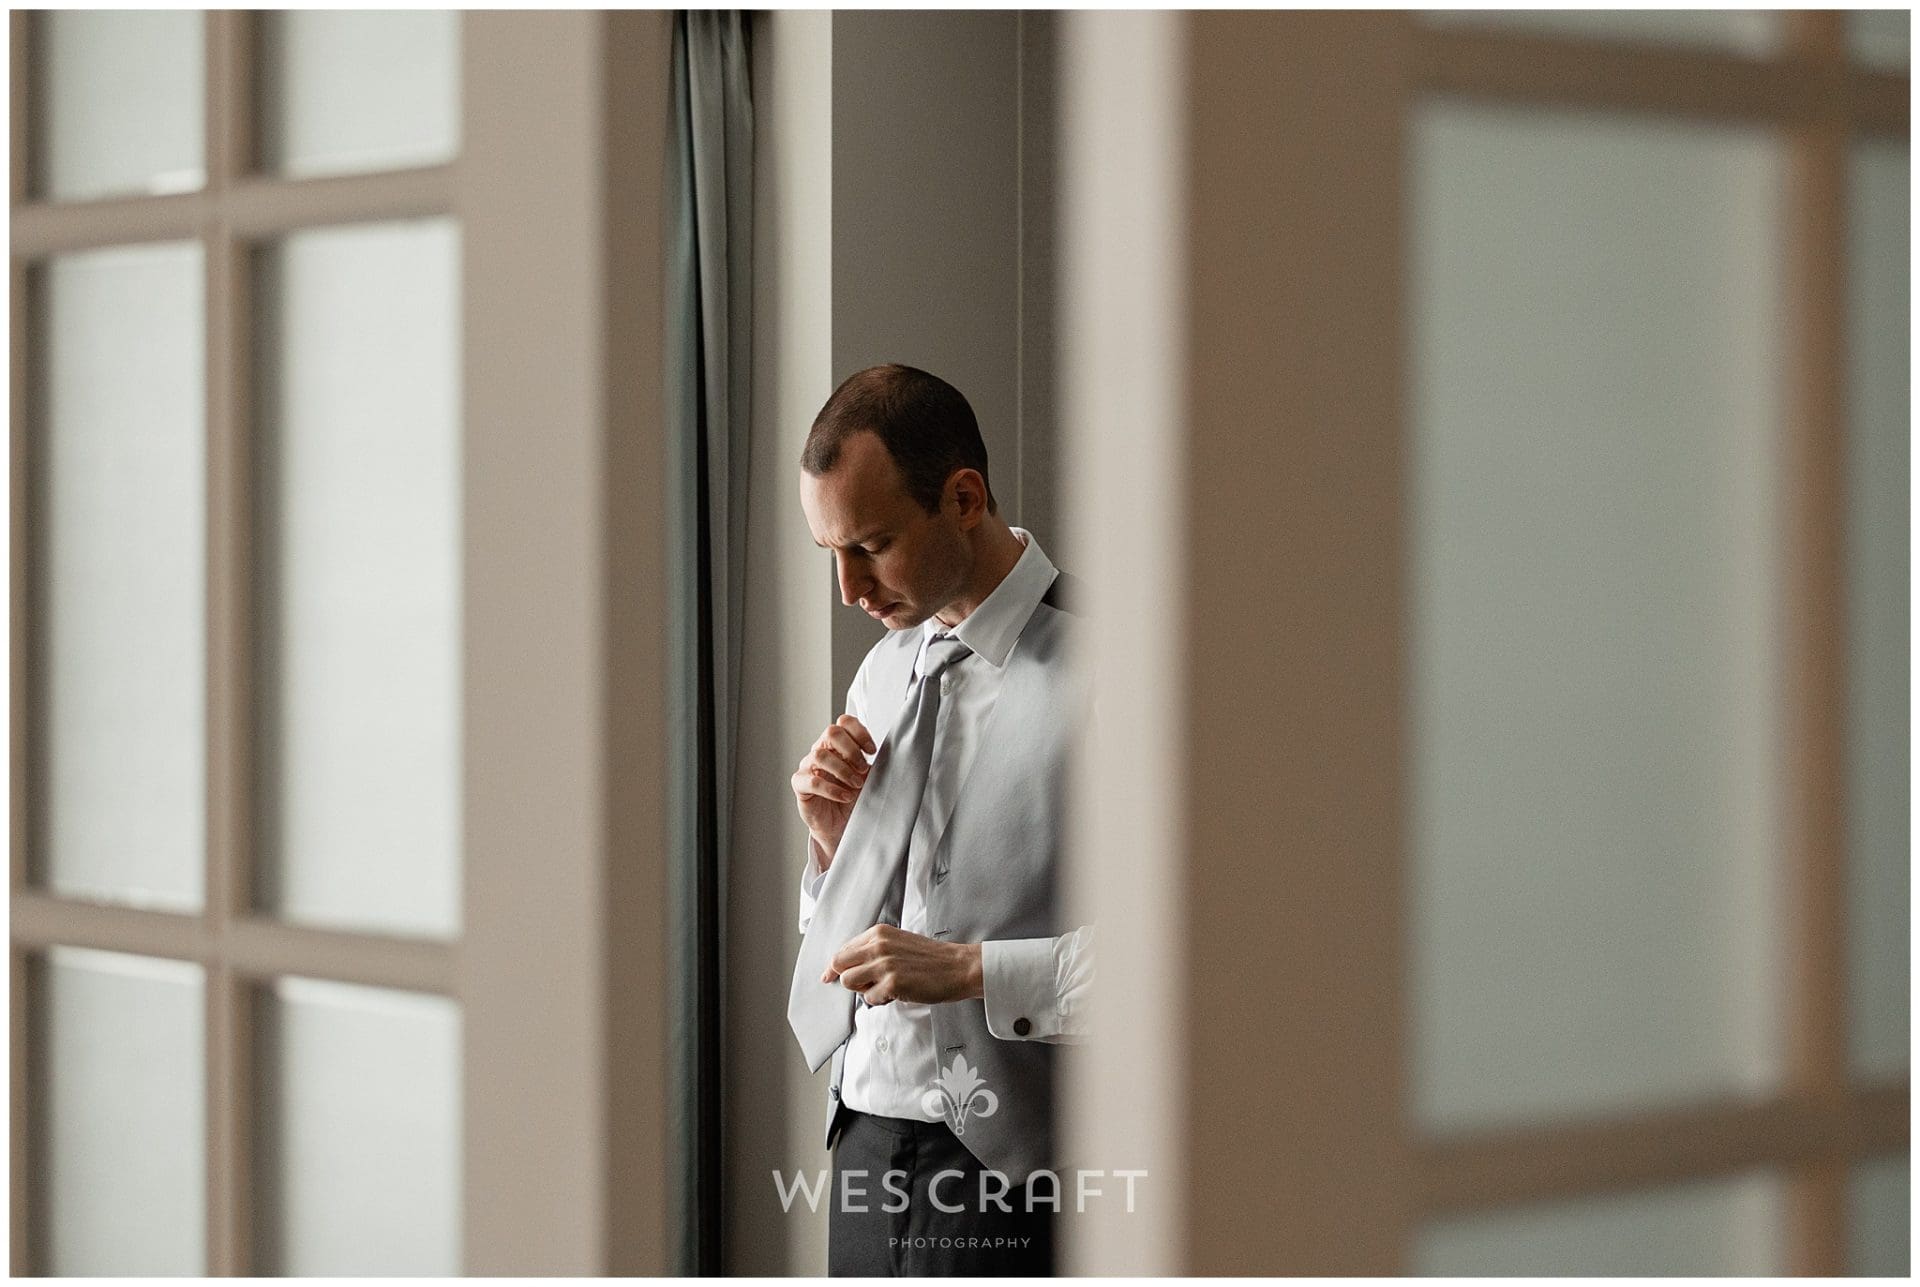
(710, 333)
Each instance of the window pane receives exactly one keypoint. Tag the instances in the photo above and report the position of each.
(359, 1164)
(1753, 32)
(1713, 1227)
(1878, 561)
(360, 550)
(121, 1093)
(147, 134)
(1881, 1201)
(1880, 38)
(1594, 614)
(349, 91)
(122, 637)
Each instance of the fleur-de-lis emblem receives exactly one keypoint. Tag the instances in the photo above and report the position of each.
(957, 1092)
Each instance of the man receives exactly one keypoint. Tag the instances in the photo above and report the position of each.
(935, 972)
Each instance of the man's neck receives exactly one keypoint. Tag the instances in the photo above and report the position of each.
(1000, 550)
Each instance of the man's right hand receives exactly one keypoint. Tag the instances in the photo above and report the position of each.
(829, 779)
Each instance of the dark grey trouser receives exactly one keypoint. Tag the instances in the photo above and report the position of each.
(864, 1239)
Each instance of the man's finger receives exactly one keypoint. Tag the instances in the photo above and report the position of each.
(841, 744)
(814, 782)
(854, 951)
(860, 734)
(839, 767)
(838, 792)
(862, 977)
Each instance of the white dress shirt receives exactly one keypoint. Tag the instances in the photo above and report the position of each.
(891, 1060)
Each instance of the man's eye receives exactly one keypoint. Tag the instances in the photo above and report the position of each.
(875, 549)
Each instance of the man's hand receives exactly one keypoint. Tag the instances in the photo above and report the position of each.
(887, 963)
(829, 779)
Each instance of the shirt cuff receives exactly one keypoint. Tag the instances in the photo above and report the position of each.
(1019, 986)
(816, 870)
(811, 878)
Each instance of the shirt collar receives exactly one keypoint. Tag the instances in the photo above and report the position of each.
(994, 627)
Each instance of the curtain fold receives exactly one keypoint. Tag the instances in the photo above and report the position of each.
(709, 336)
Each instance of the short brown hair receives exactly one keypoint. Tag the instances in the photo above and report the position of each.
(926, 424)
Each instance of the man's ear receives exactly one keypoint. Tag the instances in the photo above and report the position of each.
(968, 491)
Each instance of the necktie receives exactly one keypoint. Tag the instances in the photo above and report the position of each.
(868, 877)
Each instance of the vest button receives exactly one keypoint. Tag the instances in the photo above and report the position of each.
(1021, 1027)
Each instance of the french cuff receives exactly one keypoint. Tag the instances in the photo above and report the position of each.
(811, 878)
(816, 870)
(1018, 983)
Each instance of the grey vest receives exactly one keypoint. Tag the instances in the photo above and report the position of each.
(996, 869)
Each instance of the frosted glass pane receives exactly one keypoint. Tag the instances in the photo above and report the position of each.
(1878, 1232)
(1753, 32)
(350, 91)
(122, 575)
(121, 1096)
(121, 98)
(1704, 1229)
(361, 533)
(1594, 644)
(1880, 38)
(1877, 564)
(359, 1131)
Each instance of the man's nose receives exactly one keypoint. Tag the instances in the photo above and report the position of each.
(852, 586)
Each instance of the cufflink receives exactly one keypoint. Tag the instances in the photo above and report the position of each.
(1021, 1027)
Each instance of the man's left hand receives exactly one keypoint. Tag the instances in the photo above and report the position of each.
(886, 964)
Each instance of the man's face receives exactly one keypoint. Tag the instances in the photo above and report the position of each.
(898, 562)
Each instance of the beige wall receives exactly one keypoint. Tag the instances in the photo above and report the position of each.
(927, 204)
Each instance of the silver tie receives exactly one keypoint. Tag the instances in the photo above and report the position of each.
(867, 880)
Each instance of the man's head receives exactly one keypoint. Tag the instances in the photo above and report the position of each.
(894, 481)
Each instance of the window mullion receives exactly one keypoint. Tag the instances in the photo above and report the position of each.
(229, 652)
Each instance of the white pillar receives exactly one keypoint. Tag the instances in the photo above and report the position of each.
(1232, 378)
